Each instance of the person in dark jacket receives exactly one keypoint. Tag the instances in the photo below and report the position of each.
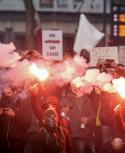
(81, 116)
(52, 136)
(15, 120)
(41, 94)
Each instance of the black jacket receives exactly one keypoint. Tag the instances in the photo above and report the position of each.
(75, 115)
(14, 129)
(57, 141)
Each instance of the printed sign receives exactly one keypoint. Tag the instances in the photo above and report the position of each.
(103, 53)
(52, 45)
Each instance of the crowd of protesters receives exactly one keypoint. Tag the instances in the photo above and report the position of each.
(62, 120)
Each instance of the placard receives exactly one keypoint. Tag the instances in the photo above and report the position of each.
(52, 48)
(103, 53)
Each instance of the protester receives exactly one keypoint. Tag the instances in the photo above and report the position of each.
(80, 112)
(15, 120)
(121, 70)
(52, 136)
(33, 129)
(41, 93)
(85, 54)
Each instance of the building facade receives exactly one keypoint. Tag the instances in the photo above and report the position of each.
(54, 14)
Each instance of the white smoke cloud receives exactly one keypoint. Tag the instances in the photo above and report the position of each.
(8, 56)
(69, 69)
(108, 87)
(74, 71)
(18, 71)
(91, 75)
(81, 85)
(103, 78)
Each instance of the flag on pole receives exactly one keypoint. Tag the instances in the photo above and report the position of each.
(87, 35)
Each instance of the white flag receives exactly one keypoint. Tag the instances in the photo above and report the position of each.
(87, 35)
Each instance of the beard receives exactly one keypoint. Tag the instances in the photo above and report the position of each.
(7, 101)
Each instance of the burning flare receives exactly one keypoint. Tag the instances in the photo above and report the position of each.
(41, 74)
(119, 85)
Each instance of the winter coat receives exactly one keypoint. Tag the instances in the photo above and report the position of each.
(14, 129)
(75, 115)
(55, 141)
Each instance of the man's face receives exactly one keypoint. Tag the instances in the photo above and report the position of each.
(7, 93)
(51, 118)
